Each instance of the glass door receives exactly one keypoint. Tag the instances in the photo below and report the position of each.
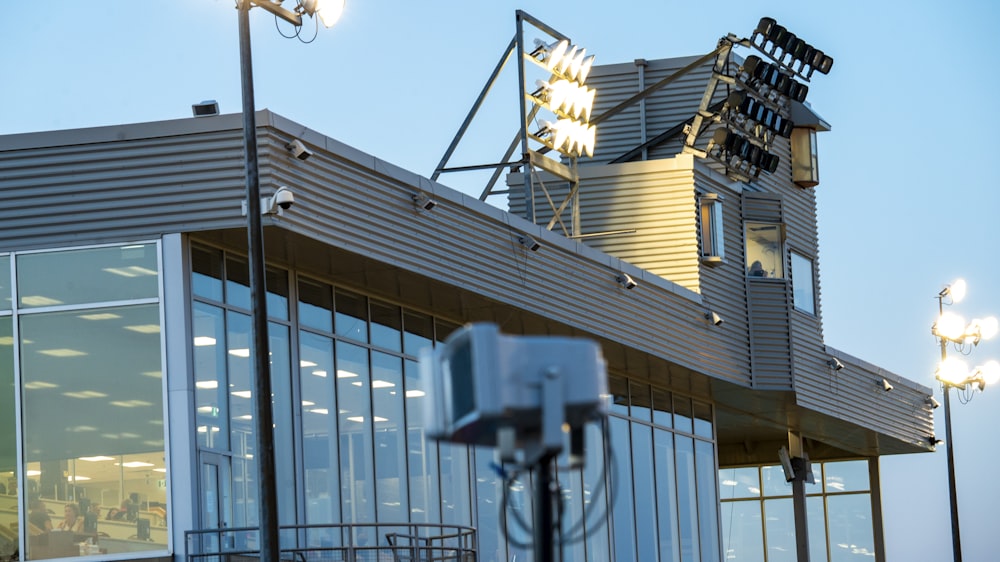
(216, 504)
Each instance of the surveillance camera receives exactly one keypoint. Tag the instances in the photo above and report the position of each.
(835, 364)
(886, 385)
(529, 243)
(298, 149)
(714, 318)
(423, 202)
(626, 281)
(282, 199)
(932, 402)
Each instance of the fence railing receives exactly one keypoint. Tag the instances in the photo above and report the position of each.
(347, 542)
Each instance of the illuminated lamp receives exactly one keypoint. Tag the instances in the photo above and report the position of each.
(568, 97)
(570, 137)
(329, 11)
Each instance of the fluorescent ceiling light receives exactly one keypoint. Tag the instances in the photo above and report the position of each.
(130, 271)
(241, 393)
(319, 373)
(99, 316)
(415, 393)
(305, 363)
(35, 385)
(207, 384)
(96, 459)
(240, 352)
(203, 341)
(84, 394)
(62, 352)
(145, 328)
(130, 404)
(341, 374)
(382, 384)
(39, 300)
(136, 464)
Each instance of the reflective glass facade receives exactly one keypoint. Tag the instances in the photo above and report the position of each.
(758, 522)
(86, 472)
(348, 412)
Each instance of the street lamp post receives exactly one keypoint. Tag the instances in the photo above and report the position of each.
(263, 414)
(953, 373)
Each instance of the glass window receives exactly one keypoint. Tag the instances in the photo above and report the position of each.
(737, 483)
(418, 332)
(640, 401)
(712, 241)
(357, 476)
(743, 531)
(456, 507)
(702, 419)
(666, 496)
(316, 305)
(618, 391)
(277, 293)
(211, 403)
(764, 250)
(352, 316)
(8, 444)
(624, 518)
(206, 273)
(5, 290)
(687, 499)
(803, 292)
(595, 497)
(84, 276)
(319, 425)
(93, 430)
(237, 282)
(780, 530)
(849, 520)
(662, 408)
(643, 482)
(708, 520)
(281, 406)
(846, 476)
(390, 437)
(387, 326)
(422, 452)
(682, 413)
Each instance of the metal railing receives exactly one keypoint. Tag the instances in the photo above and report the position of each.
(347, 542)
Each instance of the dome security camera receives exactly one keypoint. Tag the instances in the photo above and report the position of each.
(282, 200)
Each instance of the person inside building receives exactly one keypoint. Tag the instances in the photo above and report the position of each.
(72, 520)
(757, 269)
(38, 517)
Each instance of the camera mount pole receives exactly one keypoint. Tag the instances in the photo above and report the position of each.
(547, 490)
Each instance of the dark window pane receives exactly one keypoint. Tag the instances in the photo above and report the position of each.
(662, 408)
(387, 325)
(418, 332)
(640, 400)
(206, 273)
(316, 305)
(277, 293)
(352, 315)
(702, 419)
(237, 282)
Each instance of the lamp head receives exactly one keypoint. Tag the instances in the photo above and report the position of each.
(956, 291)
(329, 11)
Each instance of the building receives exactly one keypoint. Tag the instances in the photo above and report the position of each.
(126, 348)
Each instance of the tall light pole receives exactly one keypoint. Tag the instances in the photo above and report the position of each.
(267, 500)
(953, 373)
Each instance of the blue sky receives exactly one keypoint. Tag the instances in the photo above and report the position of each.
(907, 200)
